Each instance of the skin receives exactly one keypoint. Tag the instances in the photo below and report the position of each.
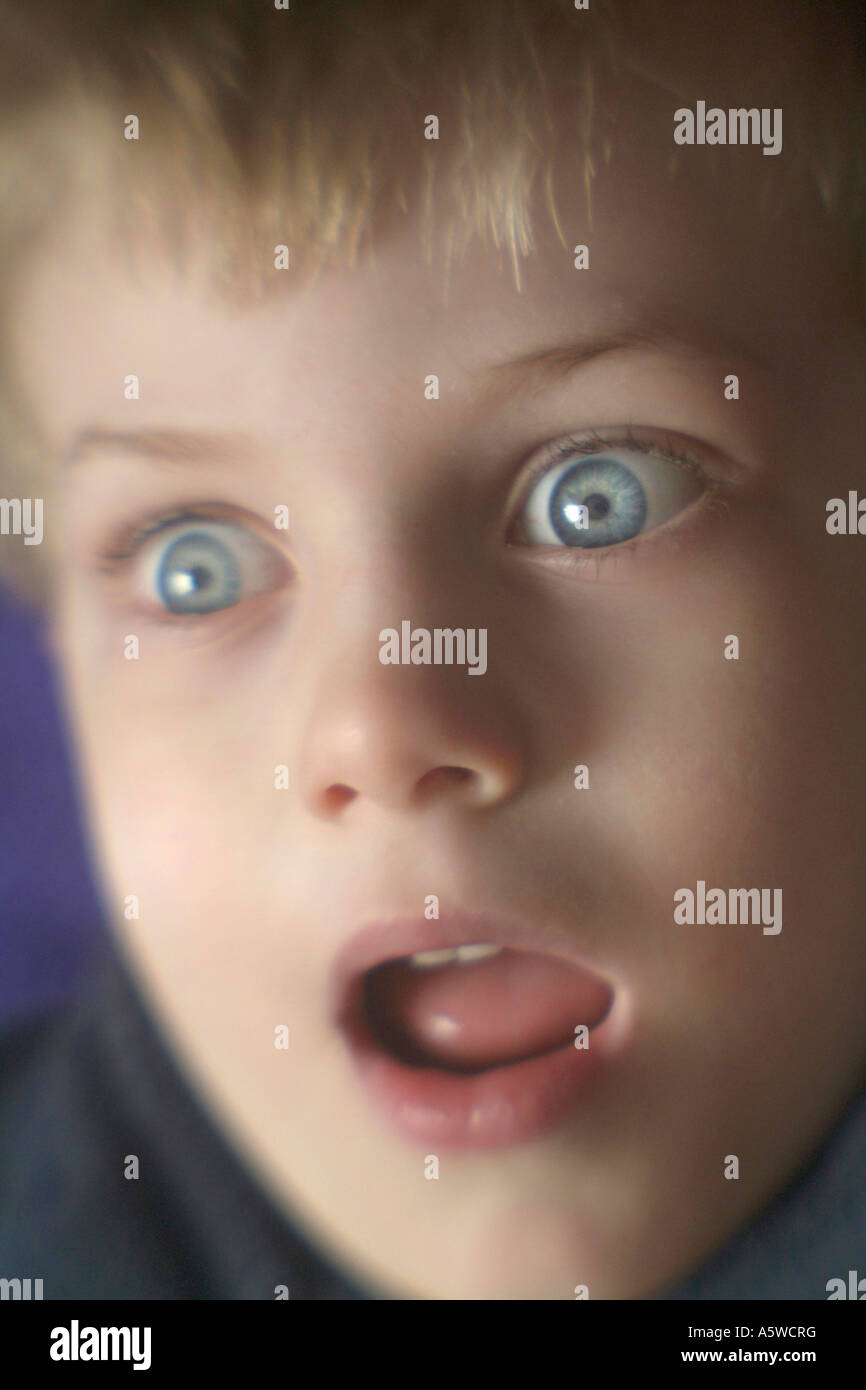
(742, 773)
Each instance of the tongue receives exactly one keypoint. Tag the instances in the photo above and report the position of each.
(487, 1013)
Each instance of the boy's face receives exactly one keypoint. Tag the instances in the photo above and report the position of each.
(722, 1039)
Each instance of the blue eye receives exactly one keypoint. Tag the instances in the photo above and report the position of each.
(209, 566)
(597, 502)
(198, 574)
(609, 497)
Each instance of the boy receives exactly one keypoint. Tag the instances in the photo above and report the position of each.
(437, 411)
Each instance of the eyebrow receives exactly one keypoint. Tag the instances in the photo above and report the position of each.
(535, 368)
(162, 446)
(175, 446)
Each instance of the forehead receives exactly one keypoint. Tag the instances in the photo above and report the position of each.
(724, 246)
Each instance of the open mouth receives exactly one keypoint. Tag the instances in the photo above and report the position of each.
(470, 1008)
(472, 1042)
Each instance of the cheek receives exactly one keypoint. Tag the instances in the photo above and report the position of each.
(179, 788)
(743, 774)
(163, 831)
(742, 712)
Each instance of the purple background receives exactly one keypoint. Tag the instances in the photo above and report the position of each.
(50, 918)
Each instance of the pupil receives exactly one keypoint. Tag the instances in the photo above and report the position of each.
(597, 505)
(200, 575)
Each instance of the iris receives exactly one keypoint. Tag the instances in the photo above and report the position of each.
(614, 499)
(198, 574)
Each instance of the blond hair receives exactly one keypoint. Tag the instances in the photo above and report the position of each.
(305, 127)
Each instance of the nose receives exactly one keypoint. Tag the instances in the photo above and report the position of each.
(407, 737)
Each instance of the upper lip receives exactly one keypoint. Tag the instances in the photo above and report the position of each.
(376, 942)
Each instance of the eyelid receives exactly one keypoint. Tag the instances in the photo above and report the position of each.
(121, 562)
(132, 536)
(719, 475)
(692, 457)
(593, 442)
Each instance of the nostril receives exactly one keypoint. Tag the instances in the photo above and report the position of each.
(442, 780)
(335, 797)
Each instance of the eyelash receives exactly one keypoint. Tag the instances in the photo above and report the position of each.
(131, 538)
(593, 442)
(125, 546)
(114, 560)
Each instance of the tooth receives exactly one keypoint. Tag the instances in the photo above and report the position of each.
(429, 960)
(453, 955)
(477, 951)
(443, 1026)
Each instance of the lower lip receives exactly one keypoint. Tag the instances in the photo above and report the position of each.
(493, 1109)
